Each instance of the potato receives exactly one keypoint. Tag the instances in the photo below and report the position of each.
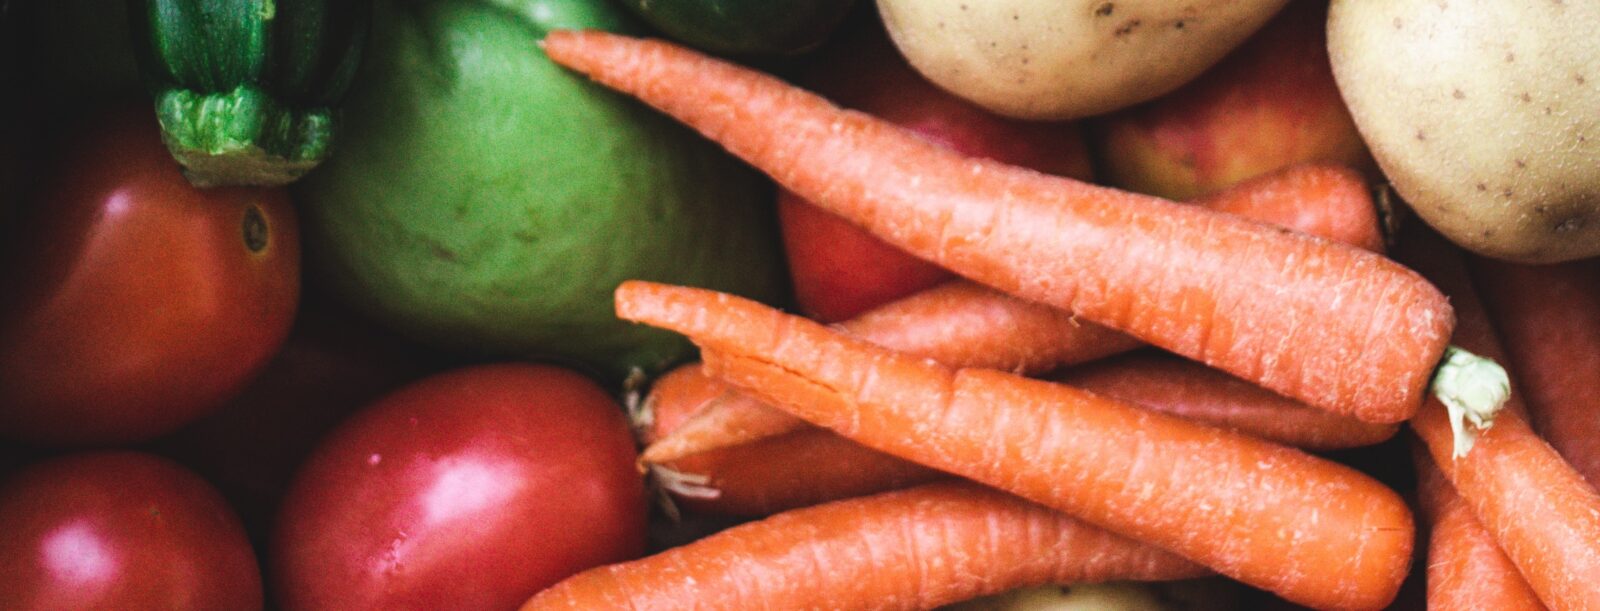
(1056, 59)
(1484, 114)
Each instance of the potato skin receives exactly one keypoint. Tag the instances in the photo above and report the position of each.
(1485, 116)
(1063, 59)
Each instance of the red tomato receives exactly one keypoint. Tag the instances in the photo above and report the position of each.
(472, 489)
(137, 302)
(839, 270)
(121, 530)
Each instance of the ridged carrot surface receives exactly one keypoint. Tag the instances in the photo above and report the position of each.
(1465, 568)
(1307, 529)
(1542, 513)
(912, 549)
(1329, 324)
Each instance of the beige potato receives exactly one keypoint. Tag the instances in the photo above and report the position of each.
(1062, 59)
(1484, 114)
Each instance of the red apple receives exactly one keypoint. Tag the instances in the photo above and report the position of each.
(839, 270)
(1270, 104)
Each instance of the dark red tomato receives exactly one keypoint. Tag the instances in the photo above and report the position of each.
(136, 302)
(121, 530)
(839, 270)
(471, 489)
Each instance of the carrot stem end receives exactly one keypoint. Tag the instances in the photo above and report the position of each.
(1473, 390)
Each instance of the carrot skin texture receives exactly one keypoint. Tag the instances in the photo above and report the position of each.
(1550, 318)
(912, 549)
(1542, 513)
(962, 324)
(1466, 569)
(1194, 392)
(1328, 324)
(1235, 504)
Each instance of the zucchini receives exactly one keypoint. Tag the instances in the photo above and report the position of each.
(745, 27)
(246, 90)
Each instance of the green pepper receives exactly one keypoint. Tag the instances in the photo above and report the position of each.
(745, 27)
(246, 90)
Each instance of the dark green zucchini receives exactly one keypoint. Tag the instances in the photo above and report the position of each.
(246, 90)
(745, 27)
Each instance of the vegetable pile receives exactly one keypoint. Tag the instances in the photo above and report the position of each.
(802, 304)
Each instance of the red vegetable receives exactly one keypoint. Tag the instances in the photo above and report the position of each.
(471, 489)
(121, 530)
(139, 302)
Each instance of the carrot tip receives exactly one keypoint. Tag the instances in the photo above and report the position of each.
(1473, 389)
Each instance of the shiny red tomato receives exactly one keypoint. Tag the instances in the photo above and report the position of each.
(121, 530)
(471, 489)
(134, 302)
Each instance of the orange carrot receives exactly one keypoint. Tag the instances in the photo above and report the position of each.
(1466, 569)
(1194, 392)
(1310, 530)
(1329, 324)
(1537, 507)
(810, 466)
(965, 325)
(1550, 317)
(912, 549)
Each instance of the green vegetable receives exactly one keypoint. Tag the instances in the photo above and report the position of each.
(246, 89)
(487, 201)
(745, 27)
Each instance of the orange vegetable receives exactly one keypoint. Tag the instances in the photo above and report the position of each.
(1466, 569)
(1542, 513)
(1550, 318)
(964, 325)
(911, 549)
(1310, 530)
(1284, 310)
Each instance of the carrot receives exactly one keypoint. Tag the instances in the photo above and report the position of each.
(1307, 529)
(1537, 507)
(1284, 310)
(1550, 317)
(1194, 392)
(1466, 569)
(964, 325)
(912, 549)
(810, 466)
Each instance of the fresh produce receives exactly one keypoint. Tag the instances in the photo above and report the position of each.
(745, 27)
(247, 90)
(1188, 595)
(1269, 104)
(912, 549)
(486, 201)
(840, 270)
(1481, 115)
(1540, 510)
(1185, 487)
(121, 530)
(1043, 59)
(1549, 317)
(1182, 278)
(1465, 567)
(138, 302)
(471, 489)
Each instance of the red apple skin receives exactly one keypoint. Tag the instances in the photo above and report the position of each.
(1270, 104)
(839, 270)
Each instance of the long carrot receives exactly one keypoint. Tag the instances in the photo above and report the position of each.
(912, 549)
(1550, 317)
(1538, 508)
(965, 325)
(1307, 529)
(1194, 392)
(1466, 569)
(809, 466)
(1328, 324)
